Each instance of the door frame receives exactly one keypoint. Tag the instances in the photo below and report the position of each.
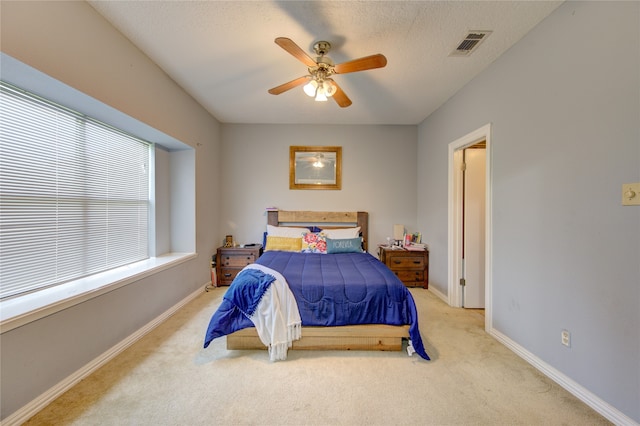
(455, 218)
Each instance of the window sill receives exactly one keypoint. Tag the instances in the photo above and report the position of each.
(24, 309)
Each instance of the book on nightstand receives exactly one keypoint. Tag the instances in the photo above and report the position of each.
(416, 247)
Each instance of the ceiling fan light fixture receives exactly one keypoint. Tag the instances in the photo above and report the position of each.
(319, 88)
(330, 87)
(321, 96)
(311, 87)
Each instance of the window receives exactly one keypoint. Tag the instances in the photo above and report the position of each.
(74, 195)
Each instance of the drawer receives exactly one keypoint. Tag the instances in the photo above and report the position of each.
(406, 262)
(237, 260)
(408, 276)
(227, 275)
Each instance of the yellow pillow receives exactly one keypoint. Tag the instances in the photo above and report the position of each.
(283, 243)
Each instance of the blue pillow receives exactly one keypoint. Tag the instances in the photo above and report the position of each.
(348, 245)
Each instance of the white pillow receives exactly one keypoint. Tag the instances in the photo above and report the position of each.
(342, 233)
(283, 231)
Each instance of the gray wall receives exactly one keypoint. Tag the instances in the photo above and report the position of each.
(378, 176)
(53, 38)
(564, 104)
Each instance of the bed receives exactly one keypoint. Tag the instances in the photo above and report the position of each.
(346, 298)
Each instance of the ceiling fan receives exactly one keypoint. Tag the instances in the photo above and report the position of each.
(318, 83)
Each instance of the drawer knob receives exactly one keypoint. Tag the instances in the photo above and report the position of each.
(227, 275)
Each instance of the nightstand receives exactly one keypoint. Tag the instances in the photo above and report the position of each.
(231, 260)
(412, 267)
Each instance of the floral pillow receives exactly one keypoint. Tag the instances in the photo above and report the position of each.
(314, 242)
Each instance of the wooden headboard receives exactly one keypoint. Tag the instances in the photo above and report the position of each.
(323, 220)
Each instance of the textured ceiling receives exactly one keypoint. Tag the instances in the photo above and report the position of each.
(223, 52)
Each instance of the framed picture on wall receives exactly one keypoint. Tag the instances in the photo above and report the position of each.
(315, 167)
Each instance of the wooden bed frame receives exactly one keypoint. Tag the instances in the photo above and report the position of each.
(370, 337)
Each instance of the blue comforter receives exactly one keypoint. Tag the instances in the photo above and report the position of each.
(332, 290)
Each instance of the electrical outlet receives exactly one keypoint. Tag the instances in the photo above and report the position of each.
(566, 338)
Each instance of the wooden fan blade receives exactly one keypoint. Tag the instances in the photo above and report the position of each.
(340, 97)
(295, 50)
(362, 64)
(288, 86)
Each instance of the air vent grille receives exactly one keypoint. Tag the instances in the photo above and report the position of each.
(470, 43)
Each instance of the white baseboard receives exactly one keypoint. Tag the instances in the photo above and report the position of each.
(440, 294)
(593, 401)
(32, 408)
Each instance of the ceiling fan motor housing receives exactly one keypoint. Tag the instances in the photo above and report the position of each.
(324, 63)
(322, 48)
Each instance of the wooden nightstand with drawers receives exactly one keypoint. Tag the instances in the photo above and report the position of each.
(231, 260)
(412, 267)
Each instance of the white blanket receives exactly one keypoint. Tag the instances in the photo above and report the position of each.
(277, 319)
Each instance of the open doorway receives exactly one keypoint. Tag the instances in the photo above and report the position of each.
(473, 169)
(469, 221)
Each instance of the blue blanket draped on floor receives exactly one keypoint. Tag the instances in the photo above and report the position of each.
(238, 304)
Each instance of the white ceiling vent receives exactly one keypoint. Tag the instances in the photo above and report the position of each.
(470, 43)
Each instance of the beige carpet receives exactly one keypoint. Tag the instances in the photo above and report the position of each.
(168, 379)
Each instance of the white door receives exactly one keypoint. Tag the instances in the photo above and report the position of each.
(473, 249)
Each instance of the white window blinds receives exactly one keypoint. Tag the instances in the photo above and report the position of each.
(74, 195)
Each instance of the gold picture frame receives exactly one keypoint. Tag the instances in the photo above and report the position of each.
(315, 167)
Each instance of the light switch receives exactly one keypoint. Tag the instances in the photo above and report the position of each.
(631, 194)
